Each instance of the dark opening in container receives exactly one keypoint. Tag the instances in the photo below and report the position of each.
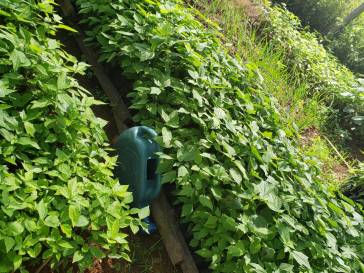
(152, 164)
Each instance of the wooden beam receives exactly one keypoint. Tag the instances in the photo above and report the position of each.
(172, 237)
(162, 212)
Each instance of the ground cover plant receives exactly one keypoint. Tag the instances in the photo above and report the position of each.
(241, 37)
(320, 15)
(251, 202)
(345, 39)
(348, 45)
(355, 186)
(312, 64)
(308, 113)
(59, 202)
(302, 111)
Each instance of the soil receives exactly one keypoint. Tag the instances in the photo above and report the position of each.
(339, 170)
(253, 10)
(308, 135)
(147, 253)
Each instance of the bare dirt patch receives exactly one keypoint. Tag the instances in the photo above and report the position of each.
(253, 10)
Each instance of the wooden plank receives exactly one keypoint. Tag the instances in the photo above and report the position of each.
(165, 219)
(162, 212)
(172, 237)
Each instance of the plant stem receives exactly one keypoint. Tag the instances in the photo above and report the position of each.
(43, 265)
(338, 153)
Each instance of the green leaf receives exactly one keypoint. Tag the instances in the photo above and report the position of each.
(187, 209)
(47, 254)
(42, 209)
(301, 258)
(82, 221)
(134, 228)
(235, 251)
(77, 256)
(26, 141)
(286, 267)
(167, 137)
(40, 103)
(74, 214)
(169, 177)
(18, 59)
(229, 150)
(66, 245)
(15, 228)
(29, 128)
(52, 221)
(182, 171)
(67, 230)
(219, 113)
(62, 26)
(284, 231)
(143, 213)
(4, 13)
(205, 201)
(62, 81)
(274, 202)
(258, 268)
(205, 253)
(155, 91)
(35, 250)
(235, 175)
(255, 246)
(9, 243)
(17, 261)
(193, 74)
(97, 253)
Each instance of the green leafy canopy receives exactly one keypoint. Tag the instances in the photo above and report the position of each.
(58, 198)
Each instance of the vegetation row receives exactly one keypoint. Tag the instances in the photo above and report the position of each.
(59, 201)
(251, 201)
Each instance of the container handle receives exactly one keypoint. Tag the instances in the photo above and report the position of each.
(146, 132)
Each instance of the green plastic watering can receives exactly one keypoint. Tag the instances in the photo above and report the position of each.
(137, 164)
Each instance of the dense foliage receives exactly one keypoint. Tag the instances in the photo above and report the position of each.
(326, 17)
(59, 202)
(313, 65)
(251, 201)
(348, 45)
(320, 15)
(354, 188)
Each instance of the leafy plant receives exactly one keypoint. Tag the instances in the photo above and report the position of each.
(59, 201)
(328, 18)
(354, 188)
(296, 103)
(320, 15)
(251, 201)
(348, 46)
(324, 75)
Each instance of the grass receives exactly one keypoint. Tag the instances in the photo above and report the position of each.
(301, 110)
(334, 164)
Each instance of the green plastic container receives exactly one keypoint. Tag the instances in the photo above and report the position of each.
(137, 164)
